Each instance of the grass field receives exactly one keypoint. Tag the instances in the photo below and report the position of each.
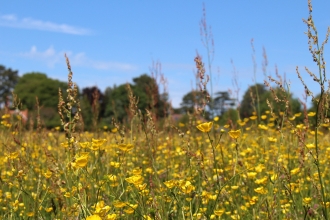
(271, 165)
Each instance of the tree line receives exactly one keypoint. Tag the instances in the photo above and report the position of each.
(99, 107)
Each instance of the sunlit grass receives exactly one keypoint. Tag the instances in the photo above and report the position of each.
(207, 172)
(271, 165)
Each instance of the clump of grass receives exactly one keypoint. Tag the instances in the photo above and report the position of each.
(69, 110)
(204, 79)
(317, 52)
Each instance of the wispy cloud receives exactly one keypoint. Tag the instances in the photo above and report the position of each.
(11, 20)
(51, 57)
(80, 59)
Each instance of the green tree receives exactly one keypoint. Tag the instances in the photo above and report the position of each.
(221, 102)
(249, 103)
(8, 80)
(144, 88)
(92, 106)
(192, 100)
(230, 116)
(32, 85)
(117, 102)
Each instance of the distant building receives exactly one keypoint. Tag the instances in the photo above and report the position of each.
(23, 114)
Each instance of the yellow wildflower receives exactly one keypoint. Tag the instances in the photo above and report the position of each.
(295, 171)
(97, 143)
(130, 208)
(307, 200)
(251, 175)
(93, 217)
(234, 134)
(118, 204)
(181, 124)
(254, 117)
(187, 187)
(272, 139)
(49, 209)
(297, 114)
(262, 180)
(219, 212)
(136, 179)
(241, 123)
(311, 114)
(112, 178)
(81, 161)
(125, 147)
(292, 118)
(170, 184)
(261, 190)
(259, 168)
(310, 146)
(101, 209)
(263, 127)
(111, 216)
(48, 174)
(84, 144)
(205, 127)
(263, 117)
(137, 171)
(147, 217)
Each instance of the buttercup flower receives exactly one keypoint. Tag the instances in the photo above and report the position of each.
(81, 161)
(136, 179)
(205, 127)
(311, 114)
(94, 217)
(125, 147)
(234, 134)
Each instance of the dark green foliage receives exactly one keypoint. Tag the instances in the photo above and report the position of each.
(92, 106)
(230, 116)
(8, 80)
(144, 88)
(32, 85)
(49, 116)
(191, 101)
(222, 102)
(86, 112)
(250, 103)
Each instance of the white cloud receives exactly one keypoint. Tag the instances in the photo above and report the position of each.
(80, 59)
(11, 20)
(51, 57)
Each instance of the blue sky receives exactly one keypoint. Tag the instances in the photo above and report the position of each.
(111, 42)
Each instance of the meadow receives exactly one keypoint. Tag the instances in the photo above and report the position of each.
(270, 165)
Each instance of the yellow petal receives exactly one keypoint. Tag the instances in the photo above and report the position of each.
(205, 127)
(311, 114)
(234, 134)
(81, 161)
(94, 217)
